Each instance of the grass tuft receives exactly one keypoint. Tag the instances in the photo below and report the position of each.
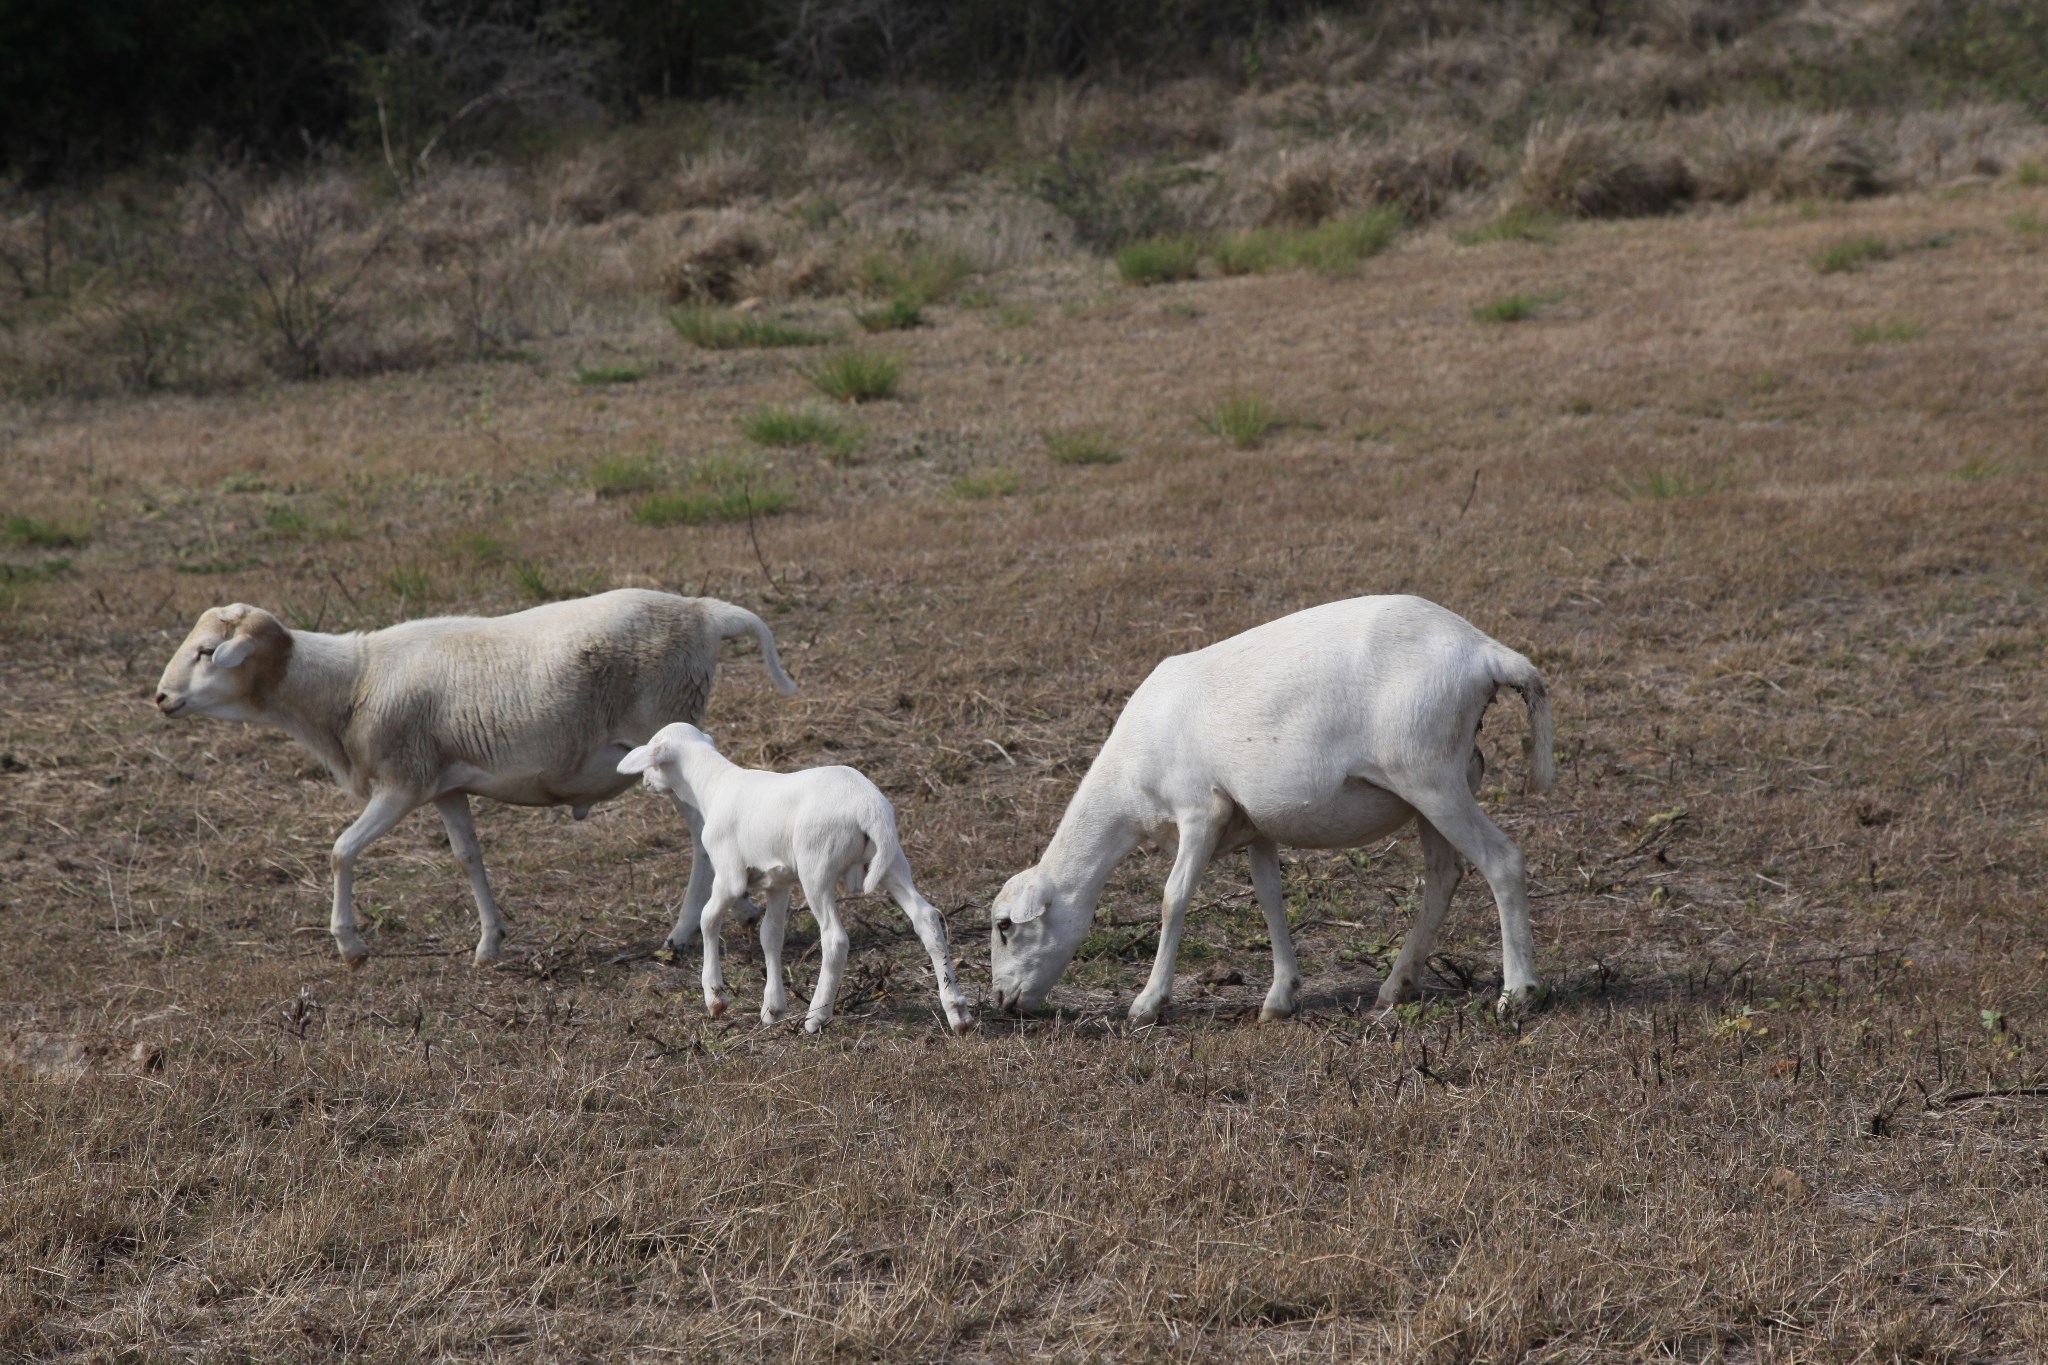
(857, 376)
(1081, 447)
(32, 533)
(1513, 308)
(1879, 333)
(599, 375)
(623, 476)
(1665, 484)
(899, 314)
(1244, 420)
(988, 483)
(716, 489)
(1519, 224)
(1335, 248)
(1851, 254)
(770, 425)
(717, 329)
(1160, 260)
(921, 273)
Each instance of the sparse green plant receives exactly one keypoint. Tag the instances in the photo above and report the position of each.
(899, 314)
(987, 483)
(719, 488)
(920, 272)
(481, 547)
(286, 520)
(1244, 420)
(2032, 174)
(1851, 254)
(1081, 446)
(1513, 308)
(623, 476)
(599, 375)
(409, 583)
(18, 528)
(1664, 484)
(1879, 333)
(771, 425)
(719, 329)
(532, 581)
(2028, 224)
(1519, 223)
(1337, 247)
(1159, 260)
(854, 375)
(1977, 469)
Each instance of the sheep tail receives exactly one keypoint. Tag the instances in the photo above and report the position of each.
(735, 622)
(881, 832)
(1512, 670)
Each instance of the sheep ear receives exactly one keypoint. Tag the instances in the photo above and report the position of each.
(232, 653)
(1032, 909)
(639, 761)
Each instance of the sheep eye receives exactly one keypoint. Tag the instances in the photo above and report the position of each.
(206, 651)
(1003, 927)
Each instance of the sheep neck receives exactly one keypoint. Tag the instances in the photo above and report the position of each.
(1094, 835)
(318, 695)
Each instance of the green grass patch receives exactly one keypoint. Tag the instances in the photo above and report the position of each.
(2032, 174)
(988, 483)
(921, 273)
(857, 376)
(600, 375)
(624, 476)
(1977, 470)
(719, 329)
(899, 314)
(1665, 484)
(410, 583)
(2028, 224)
(33, 533)
(1081, 447)
(1513, 308)
(1337, 247)
(1851, 254)
(481, 547)
(1244, 420)
(12, 574)
(720, 488)
(1519, 224)
(1160, 260)
(1881, 333)
(771, 425)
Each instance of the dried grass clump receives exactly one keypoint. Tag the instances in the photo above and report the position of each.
(462, 210)
(596, 183)
(1312, 185)
(1421, 181)
(1598, 171)
(1463, 61)
(1789, 158)
(1939, 145)
(708, 268)
(716, 179)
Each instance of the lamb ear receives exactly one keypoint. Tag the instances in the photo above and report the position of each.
(638, 761)
(232, 653)
(1031, 910)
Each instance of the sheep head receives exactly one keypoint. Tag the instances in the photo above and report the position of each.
(227, 665)
(1034, 932)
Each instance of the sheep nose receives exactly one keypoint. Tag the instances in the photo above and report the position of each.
(163, 699)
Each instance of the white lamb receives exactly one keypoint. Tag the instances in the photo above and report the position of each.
(1329, 728)
(534, 709)
(777, 831)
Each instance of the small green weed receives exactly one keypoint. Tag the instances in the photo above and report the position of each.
(1851, 254)
(2032, 174)
(285, 520)
(857, 376)
(1160, 260)
(716, 329)
(919, 272)
(771, 425)
(1880, 333)
(481, 547)
(717, 489)
(1337, 247)
(409, 583)
(1244, 420)
(1081, 447)
(989, 483)
(35, 534)
(899, 314)
(1976, 470)
(623, 476)
(611, 374)
(1513, 308)
(1519, 224)
(1662, 484)
(532, 582)
(2028, 224)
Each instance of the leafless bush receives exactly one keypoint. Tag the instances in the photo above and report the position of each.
(593, 185)
(707, 267)
(1423, 180)
(1598, 171)
(1788, 157)
(717, 178)
(303, 246)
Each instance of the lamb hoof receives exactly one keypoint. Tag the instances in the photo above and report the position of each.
(1145, 1016)
(1275, 1013)
(963, 1027)
(1391, 995)
(355, 964)
(354, 952)
(770, 1018)
(1515, 1003)
(716, 1008)
(487, 953)
(813, 1025)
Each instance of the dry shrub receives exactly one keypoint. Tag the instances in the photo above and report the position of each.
(1311, 185)
(1938, 145)
(593, 185)
(464, 210)
(1597, 171)
(1789, 157)
(708, 266)
(817, 273)
(717, 178)
(1463, 61)
(1422, 180)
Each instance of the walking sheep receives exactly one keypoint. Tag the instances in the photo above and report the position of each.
(534, 709)
(775, 831)
(1329, 728)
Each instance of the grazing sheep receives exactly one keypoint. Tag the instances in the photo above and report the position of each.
(1329, 728)
(775, 831)
(534, 709)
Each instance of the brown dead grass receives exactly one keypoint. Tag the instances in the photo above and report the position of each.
(1788, 593)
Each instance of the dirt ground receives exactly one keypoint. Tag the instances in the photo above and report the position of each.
(1776, 536)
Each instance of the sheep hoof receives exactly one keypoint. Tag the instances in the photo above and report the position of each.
(963, 1027)
(355, 964)
(487, 953)
(1391, 995)
(354, 952)
(813, 1025)
(1518, 1002)
(1144, 1015)
(715, 1007)
(770, 1018)
(1275, 1013)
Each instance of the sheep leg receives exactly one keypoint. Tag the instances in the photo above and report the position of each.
(722, 899)
(1459, 819)
(1264, 856)
(774, 923)
(700, 881)
(455, 818)
(1197, 845)
(832, 946)
(1442, 870)
(931, 932)
(387, 807)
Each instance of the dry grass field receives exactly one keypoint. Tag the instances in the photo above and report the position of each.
(1778, 536)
